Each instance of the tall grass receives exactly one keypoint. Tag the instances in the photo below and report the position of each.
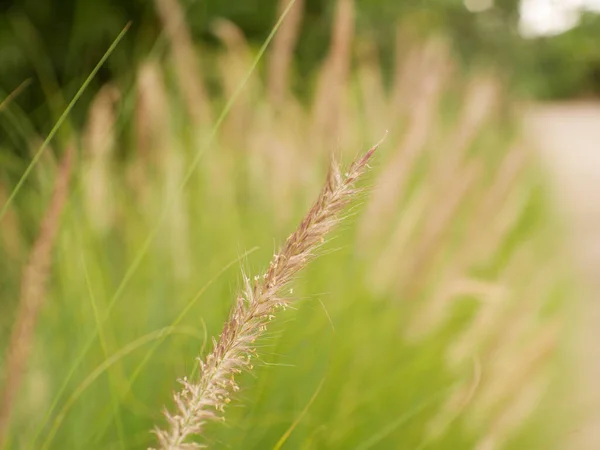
(432, 320)
(33, 287)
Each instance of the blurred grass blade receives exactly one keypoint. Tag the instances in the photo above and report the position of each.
(404, 418)
(60, 121)
(140, 367)
(103, 344)
(32, 295)
(90, 342)
(290, 430)
(158, 334)
(184, 313)
(14, 94)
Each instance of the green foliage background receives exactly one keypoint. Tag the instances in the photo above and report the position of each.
(63, 39)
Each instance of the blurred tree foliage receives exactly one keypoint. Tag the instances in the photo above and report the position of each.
(58, 42)
(567, 65)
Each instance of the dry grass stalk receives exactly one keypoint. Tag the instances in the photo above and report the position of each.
(279, 159)
(493, 218)
(433, 314)
(98, 135)
(33, 290)
(494, 319)
(99, 141)
(234, 65)
(522, 405)
(373, 95)
(435, 230)
(406, 73)
(405, 94)
(152, 113)
(185, 61)
(437, 310)
(514, 349)
(479, 104)
(497, 210)
(177, 227)
(519, 325)
(385, 267)
(470, 341)
(443, 175)
(341, 46)
(282, 52)
(153, 135)
(327, 107)
(202, 400)
(393, 180)
(504, 383)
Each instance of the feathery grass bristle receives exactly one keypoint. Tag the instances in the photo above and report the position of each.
(203, 400)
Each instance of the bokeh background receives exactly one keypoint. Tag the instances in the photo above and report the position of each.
(152, 150)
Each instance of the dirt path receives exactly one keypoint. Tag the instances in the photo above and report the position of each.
(568, 139)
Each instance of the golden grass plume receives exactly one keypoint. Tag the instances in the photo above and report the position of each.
(201, 401)
(33, 291)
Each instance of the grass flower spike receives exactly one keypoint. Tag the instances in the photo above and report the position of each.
(203, 400)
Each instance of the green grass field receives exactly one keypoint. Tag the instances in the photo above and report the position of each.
(432, 319)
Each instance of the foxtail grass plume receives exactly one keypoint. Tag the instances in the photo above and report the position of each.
(185, 61)
(281, 57)
(99, 142)
(328, 105)
(203, 400)
(33, 291)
